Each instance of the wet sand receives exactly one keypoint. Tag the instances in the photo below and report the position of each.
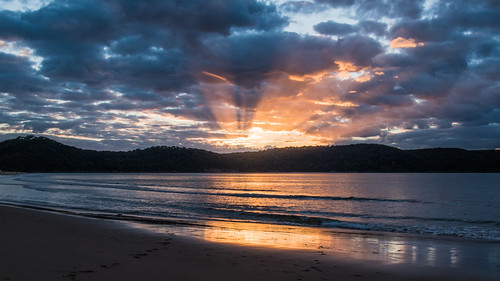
(39, 245)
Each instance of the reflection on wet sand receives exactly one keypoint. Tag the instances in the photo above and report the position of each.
(263, 235)
(384, 248)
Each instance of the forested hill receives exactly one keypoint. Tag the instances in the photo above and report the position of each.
(40, 154)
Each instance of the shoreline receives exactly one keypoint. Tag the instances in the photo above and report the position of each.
(155, 224)
(12, 181)
(43, 245)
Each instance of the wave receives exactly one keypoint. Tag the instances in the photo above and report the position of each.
(109, 216)
(402, 218)
(137, 187)
(53, 188)
(149, 203)
(274, 218)
(457, 230)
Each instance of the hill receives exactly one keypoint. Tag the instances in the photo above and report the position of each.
(40, 154)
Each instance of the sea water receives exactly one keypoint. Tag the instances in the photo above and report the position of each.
(456, 205)
(447, 221)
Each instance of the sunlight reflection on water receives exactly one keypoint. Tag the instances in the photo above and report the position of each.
(383, 248)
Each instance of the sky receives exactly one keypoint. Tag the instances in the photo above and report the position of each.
(241, 75)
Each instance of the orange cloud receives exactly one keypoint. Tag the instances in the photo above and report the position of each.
(216, 76)
(363, 78)
(346, 66)
(342, 104)
(309, 77)
(348, 71)
(288, 113)
(401, 42)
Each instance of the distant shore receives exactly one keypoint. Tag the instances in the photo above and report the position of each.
(40, 154)
(38, 245)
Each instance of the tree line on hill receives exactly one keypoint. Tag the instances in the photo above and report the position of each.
(41, 154)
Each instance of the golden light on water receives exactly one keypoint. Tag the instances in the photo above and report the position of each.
(358, 244)
(388, 249)
(254, 234)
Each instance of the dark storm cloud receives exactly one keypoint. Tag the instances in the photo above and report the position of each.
(17, 76)
(455, 18)
(480, 137)
(160, 71)
(70, 35)
(364, 26)
(248, 59)
(471, 15)
(334, 28)
(205, 16)
(374, 27)
(359, 49)
(305, 7)
(144, 49)
(43, 125)
(378, 8)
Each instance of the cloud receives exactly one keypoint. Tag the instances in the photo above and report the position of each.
(373, 27)
(451, 137)
(304, 7)
(378, 8)
(334, 28)
(220, 74)
(247, 59)
(203, 16)
(361, 50)
(18, 77)
(401, 42)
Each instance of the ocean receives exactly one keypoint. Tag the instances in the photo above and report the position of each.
(447, 221)
(451, 205)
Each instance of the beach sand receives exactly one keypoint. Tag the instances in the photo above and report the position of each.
(39, 245)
